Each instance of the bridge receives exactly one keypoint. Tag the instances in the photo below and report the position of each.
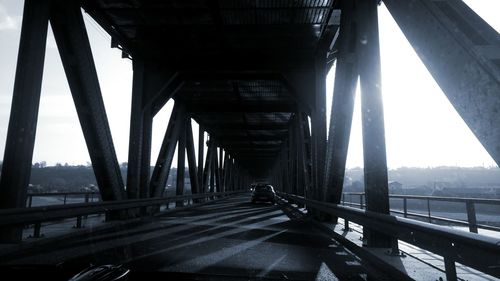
(252, 75)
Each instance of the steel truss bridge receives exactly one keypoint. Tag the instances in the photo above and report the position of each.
(252, 75)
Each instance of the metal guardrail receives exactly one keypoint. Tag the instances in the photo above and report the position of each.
(474, 250)
(86, 196)
(39, 215)
(469, 208)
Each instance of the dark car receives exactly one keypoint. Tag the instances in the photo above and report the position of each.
(264, 193)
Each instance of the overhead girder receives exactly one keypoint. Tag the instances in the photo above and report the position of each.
(250, 138)
(263, 106)
(222, 126)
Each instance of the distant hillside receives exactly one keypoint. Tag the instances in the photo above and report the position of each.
(452, 176)
(73, 178)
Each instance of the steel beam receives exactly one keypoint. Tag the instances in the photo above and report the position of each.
(166, 155)
(181, 159)
(221, 163)
(201, 148)
(251, 138)
(16, 169)
(147, 134)
(218, 172)
(318, 132)
(265, 107)
(231, 174)
(462, 53)
(193, 172)
(375, 163)
(141, 121)
(225, 173)
(303, 155)
(213, 168)
(76, 55)
(208, 164)
(239, 126)
(346, 78)
(169, 89)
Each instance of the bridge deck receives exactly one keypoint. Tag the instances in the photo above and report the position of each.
(229, 238)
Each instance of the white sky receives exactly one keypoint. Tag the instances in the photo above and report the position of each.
(438, 137)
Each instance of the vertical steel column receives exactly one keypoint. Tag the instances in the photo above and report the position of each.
(291, 158)
(136, 131)
(201, 148)
(208, 165)
(298, 165)
(346, 76)
(166, 155)
(318, 126)
(216, 171)
(76, 55)
(220, 171)
(141, 121)
(303, 154)
(20, 142)
(307, 150)
(225, 173)
(147, 135)
(231, 174)
(213, 167)
(181, 159)
(193, 173)
(375, 170)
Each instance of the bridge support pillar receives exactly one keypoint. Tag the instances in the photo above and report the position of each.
(208, 165)
(216, 170)
(302, 146)
(193, 172)
(201, 149)
(147, 82)
(20, 142)
(181, 160)
(213, 167)
(346, 78)
(225, 172)
(374, 153)
(76, 55)
(318, 129)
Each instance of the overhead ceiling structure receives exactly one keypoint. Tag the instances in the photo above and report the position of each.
(243, 68)
(252, 74)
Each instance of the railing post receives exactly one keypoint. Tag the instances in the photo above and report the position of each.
(405, 208)
(361, 201)
(30, 200)
(346, 225)
(87, 197)
(78, 222)
(36, 230)
(471, 215)
(429, 209)
(65, 199)
(451, 271)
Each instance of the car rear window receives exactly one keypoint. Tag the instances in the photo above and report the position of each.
(263, 187)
